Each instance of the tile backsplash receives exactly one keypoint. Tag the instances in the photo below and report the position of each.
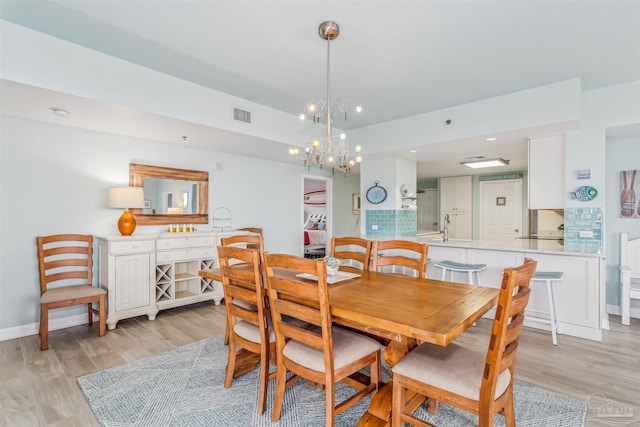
(583, 230)
(402, 222)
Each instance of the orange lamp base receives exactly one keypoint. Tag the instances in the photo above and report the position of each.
(127, 223)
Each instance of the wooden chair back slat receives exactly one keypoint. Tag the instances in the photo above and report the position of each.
(296, 287)
(417, 262)
(255, 232)
(302, 335)
(253, 242)
(363, 257)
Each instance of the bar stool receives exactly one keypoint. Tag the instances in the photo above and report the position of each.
(450, 266)
(549, 277)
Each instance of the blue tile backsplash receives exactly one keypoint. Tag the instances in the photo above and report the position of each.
(401, 222)
(583, 230)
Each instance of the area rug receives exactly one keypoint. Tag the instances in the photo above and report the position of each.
(184, 387)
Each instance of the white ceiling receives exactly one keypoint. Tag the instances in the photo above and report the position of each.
(396, 58)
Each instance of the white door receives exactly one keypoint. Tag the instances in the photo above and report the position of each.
(500, 209)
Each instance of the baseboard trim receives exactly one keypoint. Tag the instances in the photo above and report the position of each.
(615, 309)
(33, 328)
(578, 331)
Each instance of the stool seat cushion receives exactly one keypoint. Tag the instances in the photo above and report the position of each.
(451, 265)
(548, 275)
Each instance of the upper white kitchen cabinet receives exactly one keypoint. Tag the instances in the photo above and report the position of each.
(455, 194)
(546, 172)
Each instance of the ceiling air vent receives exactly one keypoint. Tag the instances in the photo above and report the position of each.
(241, 115)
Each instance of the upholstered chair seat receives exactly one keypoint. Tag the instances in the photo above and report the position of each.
(454, 368)
(348, 347)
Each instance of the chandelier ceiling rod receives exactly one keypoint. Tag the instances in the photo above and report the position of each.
(329, 31)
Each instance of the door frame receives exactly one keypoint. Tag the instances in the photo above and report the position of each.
(328, 185)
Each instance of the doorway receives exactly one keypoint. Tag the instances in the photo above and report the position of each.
(427, 214)
(500, 209)
(317, 216)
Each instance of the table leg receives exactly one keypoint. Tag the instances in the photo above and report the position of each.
(379, 412)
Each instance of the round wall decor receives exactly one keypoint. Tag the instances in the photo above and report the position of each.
(376, 194)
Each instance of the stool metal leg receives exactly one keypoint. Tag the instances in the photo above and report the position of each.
(552, 312)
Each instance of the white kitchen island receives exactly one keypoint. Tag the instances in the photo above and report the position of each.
(580, 295)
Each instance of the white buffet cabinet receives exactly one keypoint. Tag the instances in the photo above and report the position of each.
(146, 273)
(580, 299)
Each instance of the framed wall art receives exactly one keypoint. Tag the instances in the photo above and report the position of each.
(629, 191)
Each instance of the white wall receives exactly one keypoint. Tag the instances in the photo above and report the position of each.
(622, 154)
(55, 179)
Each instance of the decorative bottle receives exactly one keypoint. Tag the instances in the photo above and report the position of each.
(628, 196)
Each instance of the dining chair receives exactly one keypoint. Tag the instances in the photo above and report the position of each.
(66, 262)
(478, 383)
(247, 241)
(360, 253)
(322, 354)
(254, 231)
(629, 275)
(414, 256)
(248, 327)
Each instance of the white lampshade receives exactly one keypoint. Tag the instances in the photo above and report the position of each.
(126, 197)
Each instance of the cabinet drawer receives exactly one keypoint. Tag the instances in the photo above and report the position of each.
(184, 254)
(185, 242)
(136, 247)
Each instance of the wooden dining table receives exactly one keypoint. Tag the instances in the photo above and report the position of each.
(403, 310)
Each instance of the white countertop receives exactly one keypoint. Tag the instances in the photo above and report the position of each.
(519, 245)
(555, 247)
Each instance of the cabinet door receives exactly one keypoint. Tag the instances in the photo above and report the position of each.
(132, 281)
(455, 193)
(546, 172)
(460, 227)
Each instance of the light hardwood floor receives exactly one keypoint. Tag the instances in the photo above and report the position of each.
(39, 387)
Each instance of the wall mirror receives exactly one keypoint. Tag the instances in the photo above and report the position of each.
(172, 196)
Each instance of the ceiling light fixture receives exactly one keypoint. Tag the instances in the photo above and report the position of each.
(332, 150)
(413, 151)
(59, 111)
(490, 139)
(485, 163)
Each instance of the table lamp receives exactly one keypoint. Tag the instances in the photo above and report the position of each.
(126, 197)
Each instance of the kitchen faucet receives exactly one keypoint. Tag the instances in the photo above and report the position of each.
(445, 231)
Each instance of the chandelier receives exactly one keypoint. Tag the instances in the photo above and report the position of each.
(332, 150)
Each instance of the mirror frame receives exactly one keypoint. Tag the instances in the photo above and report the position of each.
(137, 174)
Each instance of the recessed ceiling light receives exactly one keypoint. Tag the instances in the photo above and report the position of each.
(486, 163)
(413, 151)
(60, 111)
(491, 139)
